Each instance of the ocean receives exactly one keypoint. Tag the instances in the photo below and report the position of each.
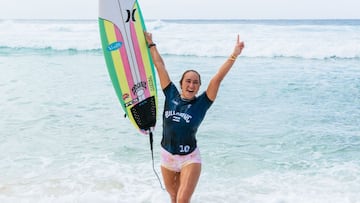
(285, 127)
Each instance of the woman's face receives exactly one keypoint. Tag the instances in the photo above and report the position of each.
(190, 85)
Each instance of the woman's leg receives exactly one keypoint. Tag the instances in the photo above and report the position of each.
(171, 180)
(189, 177)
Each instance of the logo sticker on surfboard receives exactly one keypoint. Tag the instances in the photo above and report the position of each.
(131, 15)
(114, 46)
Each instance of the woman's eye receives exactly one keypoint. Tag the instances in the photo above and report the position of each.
(195, 82)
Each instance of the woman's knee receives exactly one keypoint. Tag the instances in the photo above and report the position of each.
(172, 193)
(182, 198)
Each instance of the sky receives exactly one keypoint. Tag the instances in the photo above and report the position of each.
(188, 9)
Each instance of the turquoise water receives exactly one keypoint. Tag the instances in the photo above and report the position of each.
(284, 128)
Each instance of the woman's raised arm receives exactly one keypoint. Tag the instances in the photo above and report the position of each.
(214, 84)
(158, 62)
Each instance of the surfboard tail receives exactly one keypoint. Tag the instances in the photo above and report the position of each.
(144, 113)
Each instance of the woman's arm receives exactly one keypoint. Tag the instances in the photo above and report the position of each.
(214, 84)
(158, 62)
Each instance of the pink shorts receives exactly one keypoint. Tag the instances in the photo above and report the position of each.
(177, 162)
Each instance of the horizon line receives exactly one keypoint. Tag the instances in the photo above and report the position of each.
(191, 19)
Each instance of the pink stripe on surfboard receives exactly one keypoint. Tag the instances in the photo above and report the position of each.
(139, 59)
(126, 63)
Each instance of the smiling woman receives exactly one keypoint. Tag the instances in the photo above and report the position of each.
(183, 114)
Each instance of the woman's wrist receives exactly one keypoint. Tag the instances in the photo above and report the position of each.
(151, 45)
(233, 57)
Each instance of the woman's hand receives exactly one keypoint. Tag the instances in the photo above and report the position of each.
(148, 37)
(239, 46)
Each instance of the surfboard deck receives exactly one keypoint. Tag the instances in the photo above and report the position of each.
(128, 61)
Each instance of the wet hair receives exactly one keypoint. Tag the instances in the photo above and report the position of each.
(187, 71)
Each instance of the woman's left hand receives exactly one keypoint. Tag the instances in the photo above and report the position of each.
(239, 46)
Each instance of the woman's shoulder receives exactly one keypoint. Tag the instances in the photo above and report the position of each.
(204, 98)
(171, 90)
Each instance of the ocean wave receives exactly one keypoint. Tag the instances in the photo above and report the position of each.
(8, 51)
(202, 38)
(46, 51)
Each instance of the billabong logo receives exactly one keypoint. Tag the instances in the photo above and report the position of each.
(114, 46)
(175, 116)
(130, 15)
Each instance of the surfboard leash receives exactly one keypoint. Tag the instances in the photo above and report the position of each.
(152, 158)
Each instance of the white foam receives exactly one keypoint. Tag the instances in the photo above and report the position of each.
(196, 38)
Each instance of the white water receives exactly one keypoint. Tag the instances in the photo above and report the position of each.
(285, 127)
(303, 39)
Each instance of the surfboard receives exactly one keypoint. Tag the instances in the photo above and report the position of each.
(128, 61)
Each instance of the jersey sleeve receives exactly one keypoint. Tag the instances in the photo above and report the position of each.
(170, 91)
(205, 101)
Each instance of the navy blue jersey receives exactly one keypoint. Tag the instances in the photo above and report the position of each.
(181, 120)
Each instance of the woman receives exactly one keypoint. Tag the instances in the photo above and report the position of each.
(183, 113)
